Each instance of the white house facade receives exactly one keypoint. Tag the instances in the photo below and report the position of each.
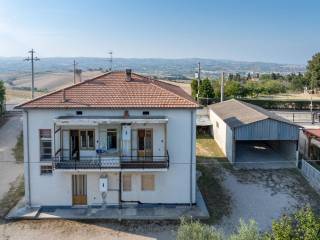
(115, 139)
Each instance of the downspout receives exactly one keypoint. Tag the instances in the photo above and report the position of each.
(28, 161)
(191, 159)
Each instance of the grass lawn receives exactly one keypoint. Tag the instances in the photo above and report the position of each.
(17, 151)
(209, 158)
(208, 148)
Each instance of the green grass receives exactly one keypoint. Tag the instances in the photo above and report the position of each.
(207, 147)
(17, 151)
(12, 197)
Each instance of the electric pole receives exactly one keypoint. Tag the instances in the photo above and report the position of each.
(198, 80)
(222, 87)
(32, 59)
(74, 71)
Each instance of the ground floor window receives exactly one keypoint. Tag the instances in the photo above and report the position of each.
(45, 169)
(147, 182)
(126, 185)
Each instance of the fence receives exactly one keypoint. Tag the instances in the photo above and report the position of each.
(311, 174)
(300, 117)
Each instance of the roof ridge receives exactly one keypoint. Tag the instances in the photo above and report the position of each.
(61, 89)
(248, 107)
(152, 81)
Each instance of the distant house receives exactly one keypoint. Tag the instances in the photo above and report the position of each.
(309, 144)
(250, 134)
(114, 139)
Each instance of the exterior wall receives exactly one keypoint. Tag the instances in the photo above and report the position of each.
(267, 130)
(172, 186)
(303, 145)
(222, 134)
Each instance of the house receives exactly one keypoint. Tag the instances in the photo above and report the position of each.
(309, 144)
(247, 133)
(114, 139)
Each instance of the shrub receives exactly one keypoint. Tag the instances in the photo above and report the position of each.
(194, 230)
(246, 231)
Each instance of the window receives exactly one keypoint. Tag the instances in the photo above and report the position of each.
(45, 169)
(147, 182)
(45, 144)
(126, 185)
(87, 139)
(112, 139)
(79, 112)
(217, 124)
(145, 113)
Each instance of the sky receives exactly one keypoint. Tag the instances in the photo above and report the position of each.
(281, 31)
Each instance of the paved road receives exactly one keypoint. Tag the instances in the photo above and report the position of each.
(9, 169)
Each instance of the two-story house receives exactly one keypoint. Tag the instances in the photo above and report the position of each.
(114, 139)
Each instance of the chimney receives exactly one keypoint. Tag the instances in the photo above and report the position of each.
(128, 74)
(64, 99)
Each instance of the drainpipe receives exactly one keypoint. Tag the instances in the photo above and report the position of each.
(28, 161)
(191, 159)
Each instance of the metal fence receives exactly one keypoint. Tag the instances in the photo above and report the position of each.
(311, 174)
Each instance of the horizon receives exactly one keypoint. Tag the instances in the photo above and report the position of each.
(247, 31)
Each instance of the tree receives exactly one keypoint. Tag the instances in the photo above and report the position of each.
(205, 89)
(2, 96)
(233, 89)
(313, 70)
(273, 87)
(253, 89)
(194, 88)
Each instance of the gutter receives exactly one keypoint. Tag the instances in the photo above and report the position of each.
(28, 162)
(191, 154)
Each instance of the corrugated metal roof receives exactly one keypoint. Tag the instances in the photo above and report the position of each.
(238, 113)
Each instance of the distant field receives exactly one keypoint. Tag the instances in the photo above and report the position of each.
(291, 96)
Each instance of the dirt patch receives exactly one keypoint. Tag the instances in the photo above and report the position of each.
(15, 193)
(17, 151)
(65, 229)
(207, 147)
(215, 195)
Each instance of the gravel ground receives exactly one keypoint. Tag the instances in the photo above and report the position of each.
(264, 195)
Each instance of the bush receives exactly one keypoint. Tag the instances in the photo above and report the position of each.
(246, 231)
(194, 230)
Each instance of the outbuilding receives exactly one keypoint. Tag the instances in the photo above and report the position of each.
(248, 134)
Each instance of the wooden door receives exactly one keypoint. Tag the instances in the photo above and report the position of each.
(145, 144)
(79, 189)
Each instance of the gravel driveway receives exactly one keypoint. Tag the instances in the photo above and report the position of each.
(264, 195)
(9, 169)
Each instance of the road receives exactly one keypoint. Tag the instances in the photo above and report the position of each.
(9, 169)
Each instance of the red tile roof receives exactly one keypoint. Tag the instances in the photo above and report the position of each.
(313, 132)
(111, 90)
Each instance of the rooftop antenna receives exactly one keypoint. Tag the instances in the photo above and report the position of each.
(32, 59)
(110, 60)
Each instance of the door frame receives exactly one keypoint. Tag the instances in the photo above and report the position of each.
(144, 153)
(82, 186)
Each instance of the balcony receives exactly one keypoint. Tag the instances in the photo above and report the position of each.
(122, 162)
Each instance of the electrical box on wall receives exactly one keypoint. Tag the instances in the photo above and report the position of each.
(103, 184)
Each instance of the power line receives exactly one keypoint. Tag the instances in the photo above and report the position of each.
(32, 59)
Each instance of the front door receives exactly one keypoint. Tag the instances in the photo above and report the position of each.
(74, 145)
(79, 189)
(145, 145)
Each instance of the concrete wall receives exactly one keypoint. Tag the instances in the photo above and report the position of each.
(172, 186)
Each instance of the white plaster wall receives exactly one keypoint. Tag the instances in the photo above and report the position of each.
(172, 186)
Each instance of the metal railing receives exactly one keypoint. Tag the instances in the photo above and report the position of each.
(121, 162)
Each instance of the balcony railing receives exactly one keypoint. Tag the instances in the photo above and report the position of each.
(122, 162)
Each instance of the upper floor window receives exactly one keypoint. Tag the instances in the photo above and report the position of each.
(87, 139)
(45, 144)
(112, 139)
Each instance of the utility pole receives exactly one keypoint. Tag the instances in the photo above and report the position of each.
(222, 87)
(110, 60)
(74, 71)
(198, 80)
(32, 59)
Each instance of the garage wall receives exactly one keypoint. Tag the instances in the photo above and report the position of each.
(267, 130)
(222, 134)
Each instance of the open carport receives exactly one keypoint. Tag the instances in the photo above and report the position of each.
(252, 136)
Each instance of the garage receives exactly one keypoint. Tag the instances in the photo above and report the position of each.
(252, 136)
